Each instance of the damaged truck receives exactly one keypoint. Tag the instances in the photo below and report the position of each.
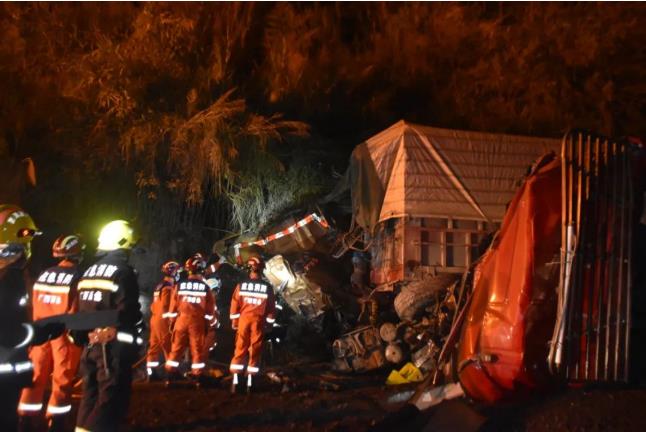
(553, 302)
(495, 264)
(426, 203)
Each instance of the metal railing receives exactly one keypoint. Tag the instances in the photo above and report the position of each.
(591, 339)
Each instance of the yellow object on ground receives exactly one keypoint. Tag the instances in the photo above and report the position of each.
(408, 374)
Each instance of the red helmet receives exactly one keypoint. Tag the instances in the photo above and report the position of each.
(170, 268)
(70, 246)
(255, 263)
(195, 264)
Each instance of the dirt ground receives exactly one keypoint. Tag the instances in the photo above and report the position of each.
(314, 401)
(309, 397)
(320, 401)
(592, 409)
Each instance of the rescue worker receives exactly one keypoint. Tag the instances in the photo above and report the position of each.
(210, 337)
(160, 334)
(213, 279)
(253, 306)
(109, 353)
(54, 293)
(17, 333)
(193, 308)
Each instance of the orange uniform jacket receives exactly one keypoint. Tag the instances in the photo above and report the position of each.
(193, 304)
(253, 299)
(253, 304)
(54, 293)
(192, 297)
(159, 328)
(161, 298)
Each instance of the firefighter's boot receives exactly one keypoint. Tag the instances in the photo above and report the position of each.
(234, 383)
(154, 375)
(172, 376)
(29, 423)
(195, 380)
(249, 383)
(56, 424)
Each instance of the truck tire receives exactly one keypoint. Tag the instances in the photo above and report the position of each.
(394, 353)
(418, 295)
(388, 332)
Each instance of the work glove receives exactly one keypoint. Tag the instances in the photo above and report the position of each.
(234, 325)
(102, 335)
(46, 332)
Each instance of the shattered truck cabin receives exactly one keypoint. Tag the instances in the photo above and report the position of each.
(298, 263)
(425, 198)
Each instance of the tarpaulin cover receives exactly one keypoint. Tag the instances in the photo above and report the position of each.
(420, 171)
(504, 342)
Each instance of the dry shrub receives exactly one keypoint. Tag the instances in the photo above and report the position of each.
(265, 188)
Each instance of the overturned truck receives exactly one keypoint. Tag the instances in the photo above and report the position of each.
(552, 301)
(425, 202)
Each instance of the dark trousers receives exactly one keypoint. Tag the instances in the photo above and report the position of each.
(105, 395)
(9, 395)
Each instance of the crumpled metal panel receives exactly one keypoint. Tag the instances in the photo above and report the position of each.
(302, 296)
(505, 339)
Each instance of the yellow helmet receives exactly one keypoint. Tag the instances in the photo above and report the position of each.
(16, 227)
(115, 235)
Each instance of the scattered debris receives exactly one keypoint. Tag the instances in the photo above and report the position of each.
(358, 351)
(284, 381)
(406, 375)
(437, 395)
(303, 297)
